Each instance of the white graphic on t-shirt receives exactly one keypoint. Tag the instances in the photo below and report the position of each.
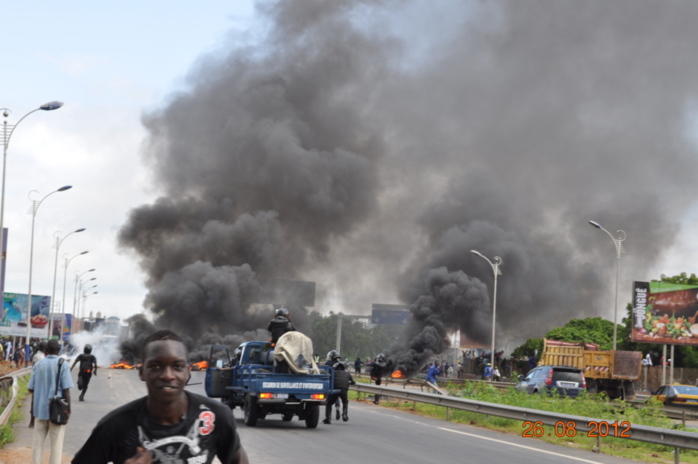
(169, 450)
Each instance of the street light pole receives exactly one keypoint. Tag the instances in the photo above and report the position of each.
(84, 299)
(55, 272)
(8, 130)
(495, 269)
(65, 276)
(75, 291)
(80, 292)
(34, 208)
(618, 242)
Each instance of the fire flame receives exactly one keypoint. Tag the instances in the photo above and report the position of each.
(398, 374)
(121, 365)
(200, 366)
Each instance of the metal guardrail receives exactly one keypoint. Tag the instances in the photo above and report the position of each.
(11, 379)
(660, 436)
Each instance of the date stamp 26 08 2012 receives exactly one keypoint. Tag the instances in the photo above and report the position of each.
(569, 429)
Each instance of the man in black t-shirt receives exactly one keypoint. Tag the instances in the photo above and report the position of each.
(169, 425)
(88, 366)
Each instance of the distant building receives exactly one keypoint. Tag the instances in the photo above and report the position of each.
(112, 326)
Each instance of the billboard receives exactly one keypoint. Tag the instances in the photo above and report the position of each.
(389, 314)
(15, 309)
(665, 313)
(62, 326)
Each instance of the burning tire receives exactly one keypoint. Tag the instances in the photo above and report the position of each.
(312, 416)
(251, 411)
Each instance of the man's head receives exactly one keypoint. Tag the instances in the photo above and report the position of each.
(52, 347)
(87, 349)
(165, 367)
(42, 346)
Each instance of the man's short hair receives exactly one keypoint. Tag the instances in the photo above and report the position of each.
(160, 335)
(52, 347)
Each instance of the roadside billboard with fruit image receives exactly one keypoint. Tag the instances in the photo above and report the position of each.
(14, 321)
(665, 313)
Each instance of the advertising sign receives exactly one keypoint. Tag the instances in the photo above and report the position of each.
(389, 314)
(665, 313)
(15, 308)
(67, 327)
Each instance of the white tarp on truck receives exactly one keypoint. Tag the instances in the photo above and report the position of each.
(296, 349)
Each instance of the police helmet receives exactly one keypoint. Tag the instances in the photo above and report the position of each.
(282, 312)
(333, 354)
(338, 367)
(88, 349)
(380, 357)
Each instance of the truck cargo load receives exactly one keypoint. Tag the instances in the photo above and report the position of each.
(610, 372)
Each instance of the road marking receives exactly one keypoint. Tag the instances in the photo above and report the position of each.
(520, 446)
(384, 411)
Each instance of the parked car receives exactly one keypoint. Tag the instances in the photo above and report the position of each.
(563, 380)
(677, 395)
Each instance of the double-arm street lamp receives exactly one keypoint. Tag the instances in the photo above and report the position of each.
(65, 276)
(34, 208)
(76, 295)
(84, 300)
(59, 241)
(495, 269)
(7, 131)
(618, 242)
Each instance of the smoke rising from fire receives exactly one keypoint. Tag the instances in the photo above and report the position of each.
(369, 146)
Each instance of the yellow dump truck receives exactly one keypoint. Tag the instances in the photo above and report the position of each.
(610, 372)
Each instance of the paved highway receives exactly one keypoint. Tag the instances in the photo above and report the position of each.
(373, 434)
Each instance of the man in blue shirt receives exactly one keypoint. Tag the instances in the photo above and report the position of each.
(432, 372)
(43, 385)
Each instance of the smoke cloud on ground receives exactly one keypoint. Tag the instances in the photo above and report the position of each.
(370, 145)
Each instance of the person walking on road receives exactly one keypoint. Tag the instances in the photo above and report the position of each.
(170, 424)
(88, 366)
(342, 380)
(43, 386)
(378, 368)
(40, 354)
(357, 365)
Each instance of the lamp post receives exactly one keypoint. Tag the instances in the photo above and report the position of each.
(75, 291)
(76, 300)
(65, 276)
(34, 208)
(495, 269)
(618, 242)
(8, 130)
(84, 299)
(55, 272)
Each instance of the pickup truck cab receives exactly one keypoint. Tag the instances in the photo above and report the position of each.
(250, 380)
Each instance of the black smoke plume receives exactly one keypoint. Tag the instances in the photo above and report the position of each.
(370, 145)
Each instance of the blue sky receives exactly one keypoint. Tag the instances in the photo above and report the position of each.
(108, 62)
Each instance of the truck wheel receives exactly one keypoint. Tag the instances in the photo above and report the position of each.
(251, 411)
(312, 416)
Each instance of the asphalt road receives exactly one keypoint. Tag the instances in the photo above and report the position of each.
(373, 434)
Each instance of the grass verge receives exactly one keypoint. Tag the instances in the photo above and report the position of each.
(6, 431)
(564, 434)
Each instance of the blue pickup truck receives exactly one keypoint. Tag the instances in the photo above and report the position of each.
(252, 381)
